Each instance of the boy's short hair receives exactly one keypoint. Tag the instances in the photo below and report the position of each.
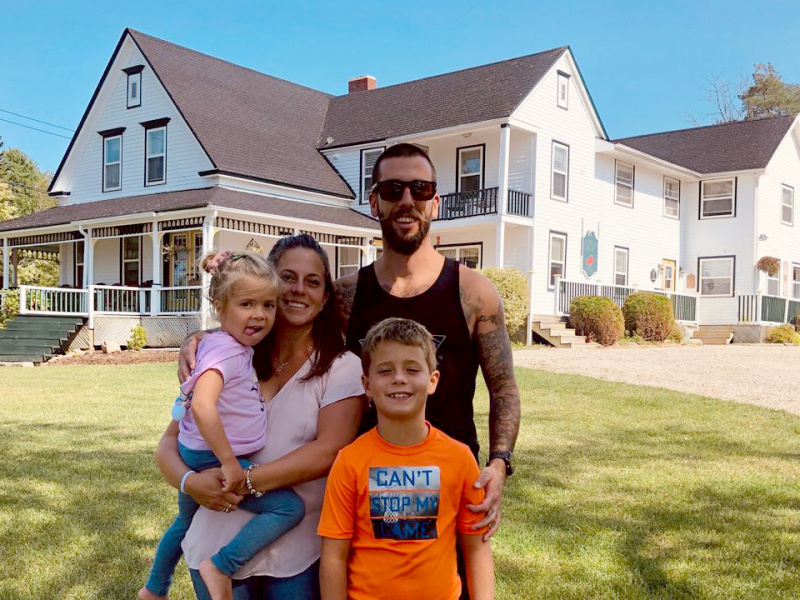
(403, 331)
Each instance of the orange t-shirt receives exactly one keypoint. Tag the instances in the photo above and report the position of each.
(401, 507)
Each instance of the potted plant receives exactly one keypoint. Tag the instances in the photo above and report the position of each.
(770, 265)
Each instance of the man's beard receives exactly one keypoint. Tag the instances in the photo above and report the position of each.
(404, 245)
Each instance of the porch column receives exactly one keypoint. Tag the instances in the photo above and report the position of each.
(15, 266)
(155, 290)
(88, 259)
(205, 278)
(6, 283)
(502, 193)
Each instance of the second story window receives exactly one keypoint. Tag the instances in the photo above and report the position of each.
(368, 159)
(717, 198)
(623, 193)
(470, 169)
(787, 205)
(112, 159)
(563, 90)
(559, 187)
(672, 197)
(134, 86)
(155, 151)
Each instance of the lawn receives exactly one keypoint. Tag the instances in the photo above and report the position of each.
(620, 491)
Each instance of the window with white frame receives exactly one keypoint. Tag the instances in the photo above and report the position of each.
(717, 198)
(131, 254)
(348, 260)
(787, 205)
(559, 188)
(469, 255)
(112, 163)
(79, 265)
(623, 177)
(795, 281)
(155, 156)
(134, 89)
(672, 197)
(716, 276)
(563, 89)
(774, 283)
(368, 159)
(470, 169)
(558, 256)
(620, 266)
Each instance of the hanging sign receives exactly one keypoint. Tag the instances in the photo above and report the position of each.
(589, 257)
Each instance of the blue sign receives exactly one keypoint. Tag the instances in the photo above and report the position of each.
(589, 257)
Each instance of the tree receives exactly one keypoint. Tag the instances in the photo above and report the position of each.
(769, 95)
(28, 184)
(8, 208)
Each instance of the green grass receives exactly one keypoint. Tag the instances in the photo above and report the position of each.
(620, 491)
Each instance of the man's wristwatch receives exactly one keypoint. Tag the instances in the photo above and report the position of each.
(506, 457)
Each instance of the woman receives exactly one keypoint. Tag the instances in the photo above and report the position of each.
(314, 400)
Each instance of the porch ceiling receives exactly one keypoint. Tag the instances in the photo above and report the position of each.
(186, 199)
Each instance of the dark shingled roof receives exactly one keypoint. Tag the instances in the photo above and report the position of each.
(171, 201)
(736, 146)
(470, 96)
(249, 123)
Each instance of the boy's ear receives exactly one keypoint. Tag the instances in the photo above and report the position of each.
(365, 383)
(434, 382)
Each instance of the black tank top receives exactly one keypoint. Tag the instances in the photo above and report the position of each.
(439, 309)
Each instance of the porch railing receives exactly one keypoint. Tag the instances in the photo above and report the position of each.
(36, 300)
(181, 299)
(120, 300)
(477, 203)
(761, 308)
(683, 306)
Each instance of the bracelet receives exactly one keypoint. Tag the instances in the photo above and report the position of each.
(183, 480)
(250, 488)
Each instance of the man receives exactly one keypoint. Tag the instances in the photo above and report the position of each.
(459, 306)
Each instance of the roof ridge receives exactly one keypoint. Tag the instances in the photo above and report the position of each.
(713, 125)
(227, 62)
(497, 62)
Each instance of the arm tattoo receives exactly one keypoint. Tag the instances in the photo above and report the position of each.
(497, 365)
(344, 293)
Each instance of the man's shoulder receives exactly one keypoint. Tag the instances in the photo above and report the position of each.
(344, 292)
(452, 447)
(475, 282)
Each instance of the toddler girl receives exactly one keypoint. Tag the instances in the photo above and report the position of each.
(222, 421)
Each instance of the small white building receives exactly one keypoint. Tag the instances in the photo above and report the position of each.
(179, 153)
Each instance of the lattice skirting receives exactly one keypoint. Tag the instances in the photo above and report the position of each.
(80, 341)
(162, 332)
(749, 333)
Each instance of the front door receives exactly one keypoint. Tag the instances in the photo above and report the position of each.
(668, 275)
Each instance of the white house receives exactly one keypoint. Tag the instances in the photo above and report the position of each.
(180, 153)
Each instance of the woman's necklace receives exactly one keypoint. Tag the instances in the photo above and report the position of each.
(277, 367)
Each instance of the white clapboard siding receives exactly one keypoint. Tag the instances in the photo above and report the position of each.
(82, 173)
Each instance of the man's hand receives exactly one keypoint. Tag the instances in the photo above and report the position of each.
(492, 479)
(187, 358)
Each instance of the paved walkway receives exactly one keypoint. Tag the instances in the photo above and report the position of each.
(765, 375)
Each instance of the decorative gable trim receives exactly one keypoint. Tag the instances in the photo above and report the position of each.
(133, 70)
(111, 132)
(155, 123)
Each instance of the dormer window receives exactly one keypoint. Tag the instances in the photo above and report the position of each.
(563, 90)
(134, 85)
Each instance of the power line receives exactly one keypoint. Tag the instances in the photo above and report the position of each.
(36, 129)
(37, 120)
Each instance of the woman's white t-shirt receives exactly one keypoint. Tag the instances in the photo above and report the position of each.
(291, 422)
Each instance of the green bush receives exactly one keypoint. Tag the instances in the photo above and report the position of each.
(598, 318)
(9, 308)
(783, 334)
(512, 286)
(649, 315)
(138, 338)
(675, 334)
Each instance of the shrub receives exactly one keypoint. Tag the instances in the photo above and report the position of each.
(598, 318)
(649, 315)
(676, 333)
(783, 334)
(769, 264)
(9, 308)
(138, 338)
(512, 286)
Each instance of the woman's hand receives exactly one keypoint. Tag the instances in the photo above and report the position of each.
(206, 489)
(187, 358)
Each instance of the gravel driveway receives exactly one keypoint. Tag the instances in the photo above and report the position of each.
(765, 375)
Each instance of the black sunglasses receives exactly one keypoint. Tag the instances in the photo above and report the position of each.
(392, 190)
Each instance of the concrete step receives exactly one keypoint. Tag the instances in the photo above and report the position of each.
(556, 333)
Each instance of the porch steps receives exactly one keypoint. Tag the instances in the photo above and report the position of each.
(556, 333)
(28, 338)
(714, 335)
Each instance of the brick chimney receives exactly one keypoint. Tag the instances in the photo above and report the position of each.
(362, 84)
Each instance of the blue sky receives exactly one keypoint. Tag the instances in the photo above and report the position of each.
(646, 63)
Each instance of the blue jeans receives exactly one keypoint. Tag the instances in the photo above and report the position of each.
(276, 513)
(303, 586)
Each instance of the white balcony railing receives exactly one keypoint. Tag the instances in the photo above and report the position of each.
(37, 300)
(762, 309)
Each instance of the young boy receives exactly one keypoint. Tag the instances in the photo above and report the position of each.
(397, 496)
